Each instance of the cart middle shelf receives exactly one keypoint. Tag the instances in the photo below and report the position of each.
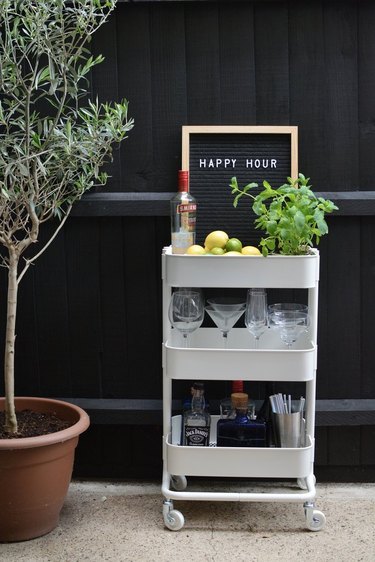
(206, 358)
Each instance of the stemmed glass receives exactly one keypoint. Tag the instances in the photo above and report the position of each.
(256, 313)
(186, 312)
(290, 323)
(225, 312)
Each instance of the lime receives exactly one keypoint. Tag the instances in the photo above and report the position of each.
(216, 239)
(251, 251)
(196, 250)
(217, 251)
(233, 245)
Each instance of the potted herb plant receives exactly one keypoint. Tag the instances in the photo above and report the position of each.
(291, 216)
(54, 141)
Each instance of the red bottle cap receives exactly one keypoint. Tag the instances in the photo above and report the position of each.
(237, 386)
(183, 180)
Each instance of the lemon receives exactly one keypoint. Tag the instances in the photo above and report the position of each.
(233, 253)
(250, 251)
(195, 250)
(217, 251)
(216, 239)
(233, 245)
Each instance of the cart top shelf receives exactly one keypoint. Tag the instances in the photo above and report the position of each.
(274, 271)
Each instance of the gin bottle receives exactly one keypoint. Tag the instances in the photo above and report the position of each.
(197, 421)
(244, 430)
(226, 406)
(183, 216)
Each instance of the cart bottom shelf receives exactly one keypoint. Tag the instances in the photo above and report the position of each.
(246, 462)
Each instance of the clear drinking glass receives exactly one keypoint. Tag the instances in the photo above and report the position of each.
(186, 312)
(290, 323)
(256, 313)
(225, 312)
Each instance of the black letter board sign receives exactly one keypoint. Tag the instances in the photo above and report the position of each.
(214, 154)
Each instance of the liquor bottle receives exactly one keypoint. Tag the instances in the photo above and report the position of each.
(183, 216)
(197, 421)
(244, 430)
(226, 407)
(186, 402)
(186, 405)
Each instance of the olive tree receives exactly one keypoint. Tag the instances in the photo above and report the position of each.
(54, 139)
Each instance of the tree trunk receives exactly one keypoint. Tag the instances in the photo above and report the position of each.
(10, 413)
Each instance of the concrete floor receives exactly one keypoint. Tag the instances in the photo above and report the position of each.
(121, 522)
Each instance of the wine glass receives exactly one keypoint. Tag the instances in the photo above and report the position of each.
(225, 312)
(290, 323)
(186, 312)
(256, 313)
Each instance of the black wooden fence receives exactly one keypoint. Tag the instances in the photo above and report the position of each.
(89, 326)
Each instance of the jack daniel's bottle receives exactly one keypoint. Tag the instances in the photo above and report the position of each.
(197, 421)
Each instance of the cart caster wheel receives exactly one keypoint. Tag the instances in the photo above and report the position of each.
(174, 520)
(316, 521)
(179, 482)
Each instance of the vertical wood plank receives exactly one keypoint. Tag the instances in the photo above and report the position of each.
(272, 63)
(341, 95)
(112, 307)
(203, 64)
(344, 446)
(237, 64)
(51, 312)
(27, 368)
(366, 89)
(367, 386)
(367, 445)
(168, 78)
(307, 74)
(104, 83)
(142, 301)
(134, 84)
(84, 306)
(339, 351)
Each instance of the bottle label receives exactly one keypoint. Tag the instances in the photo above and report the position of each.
(196, 436)
(186, 208)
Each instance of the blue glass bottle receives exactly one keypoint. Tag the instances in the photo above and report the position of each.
(243, 430)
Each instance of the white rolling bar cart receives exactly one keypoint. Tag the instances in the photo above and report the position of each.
(206, 359)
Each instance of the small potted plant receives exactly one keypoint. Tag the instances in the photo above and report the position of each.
(291, 216)
(53, 144)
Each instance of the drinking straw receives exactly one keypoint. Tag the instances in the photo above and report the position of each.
(302, 404)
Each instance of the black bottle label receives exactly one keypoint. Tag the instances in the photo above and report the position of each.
(196, 436)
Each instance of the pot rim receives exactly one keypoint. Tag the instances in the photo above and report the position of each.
(51, 438)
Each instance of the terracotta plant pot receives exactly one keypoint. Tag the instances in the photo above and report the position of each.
(35, 472)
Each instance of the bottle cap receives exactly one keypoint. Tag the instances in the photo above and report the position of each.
(239, 400)
(237, 386)
(198, 386)
(183, 180)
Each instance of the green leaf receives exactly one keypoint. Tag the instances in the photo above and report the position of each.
(299, 220)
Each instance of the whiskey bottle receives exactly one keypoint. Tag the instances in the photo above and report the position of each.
(197, 421)
(244, 430)
(183, 216)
